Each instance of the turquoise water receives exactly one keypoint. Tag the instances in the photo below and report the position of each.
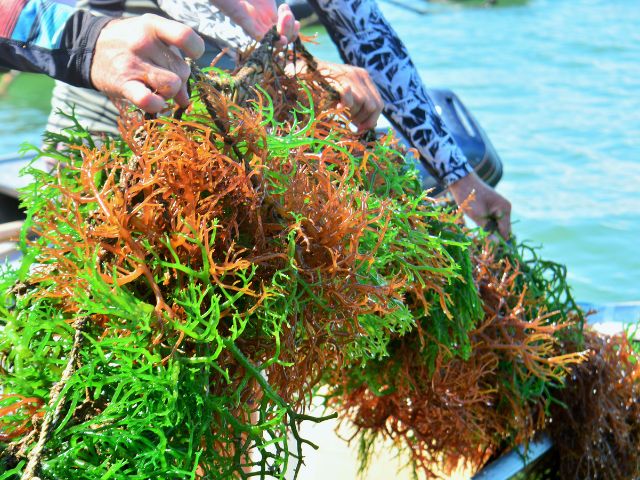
(555, 83)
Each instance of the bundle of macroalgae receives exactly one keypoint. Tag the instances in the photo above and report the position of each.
(188, 290)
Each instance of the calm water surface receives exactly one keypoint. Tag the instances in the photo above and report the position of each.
(556, 85)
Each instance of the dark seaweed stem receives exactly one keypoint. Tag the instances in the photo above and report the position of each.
(312, 64)
(240, 85)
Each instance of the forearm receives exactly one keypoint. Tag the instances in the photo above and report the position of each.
(49, 37)
(365, 39)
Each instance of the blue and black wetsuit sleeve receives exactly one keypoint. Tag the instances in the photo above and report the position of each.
(50, 37)
(365, 39)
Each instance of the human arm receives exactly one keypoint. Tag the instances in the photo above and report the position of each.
(50, 38)
(364, 38)
(129, 58)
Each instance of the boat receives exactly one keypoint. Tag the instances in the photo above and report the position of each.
(538, 460)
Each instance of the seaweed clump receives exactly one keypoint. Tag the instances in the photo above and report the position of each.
(194, 285)
(453, 411)
(596, 427)
(189, 285)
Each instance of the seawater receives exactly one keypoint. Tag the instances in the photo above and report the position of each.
(555, 84)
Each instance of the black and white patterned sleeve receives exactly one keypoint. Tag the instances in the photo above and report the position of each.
(365, 39)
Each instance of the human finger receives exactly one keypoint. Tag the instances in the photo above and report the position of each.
(369, 113)
(504, 223)
(358, 112)
(182, 97)
(296, 29)
(264, 12)
(374, 103)
(346, 97)
(286, 24)
(171, 60)
(358, 109)
(164, 82)
(369, 103)
(365, 112)
(142, 97)
(174, 33)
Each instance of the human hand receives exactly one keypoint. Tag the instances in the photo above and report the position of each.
(357, 92)
(139, 59)
(486, 205)
(256, 17)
